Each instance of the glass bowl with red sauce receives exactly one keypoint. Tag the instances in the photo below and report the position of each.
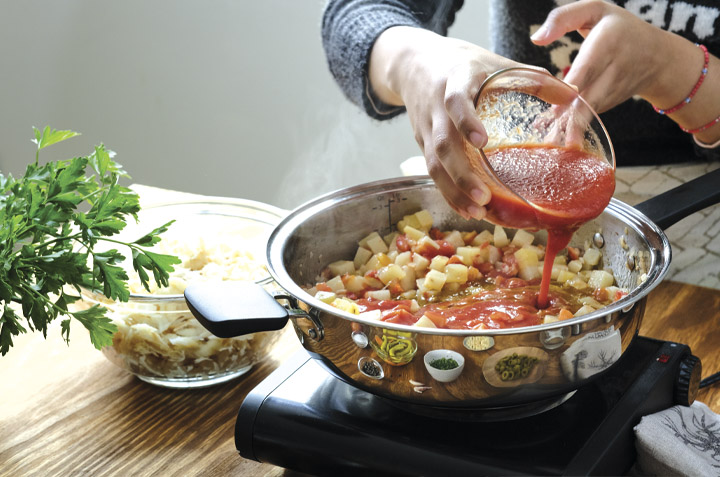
(549, 162)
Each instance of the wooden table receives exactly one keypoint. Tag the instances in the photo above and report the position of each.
(69, 411)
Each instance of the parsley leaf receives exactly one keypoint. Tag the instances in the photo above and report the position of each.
(51, 222)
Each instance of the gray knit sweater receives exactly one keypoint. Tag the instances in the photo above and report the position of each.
(640, 135)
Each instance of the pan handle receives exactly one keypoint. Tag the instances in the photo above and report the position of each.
(229, 309)
(674, 205)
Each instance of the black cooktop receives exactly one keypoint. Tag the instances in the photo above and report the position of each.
(304, 419)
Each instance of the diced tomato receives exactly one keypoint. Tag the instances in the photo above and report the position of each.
(428, 251)
(402, 244)
(484, 268)
(515, 283)
(322, 286)
(436, 234)
(399, 316)
(573, 253)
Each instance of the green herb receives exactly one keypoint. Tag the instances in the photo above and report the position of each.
(51, 221)
(444, 363)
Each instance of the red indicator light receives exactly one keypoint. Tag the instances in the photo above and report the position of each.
(663, 358)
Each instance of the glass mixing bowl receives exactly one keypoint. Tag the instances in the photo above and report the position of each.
(158, 339)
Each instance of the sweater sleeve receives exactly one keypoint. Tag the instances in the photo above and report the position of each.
(350, 28)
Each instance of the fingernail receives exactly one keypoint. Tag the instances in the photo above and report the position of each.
(474, 211)
(477, 139)
(479, 196)
(539, 34)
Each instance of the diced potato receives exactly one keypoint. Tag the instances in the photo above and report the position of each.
(574, 266)
(584, 310)
(428, 242)
(522, 238)
(376, 262)
(456, 273)
(413, 233)
(600, 279)
(434, 280)
(364, 241)
(403, 258)
(414, 306)
(500, 237)
(577, 283)
(565, 276)
(346, 305)
(410, 220)
(419, 262)
(438, 263)
(468, 254)
(377, 245)
(451, 287)
(588, 300)
(424, 218)
(425, 322)
(392, 255)
(560, 260)
(379, 294)
(341, 267)
(355, 283)
(592, 257)
(361, 257)
(556, 269)
(550, 319)
(336, 284)
(483, 237)
(374, 283)
(325, 296)
(408, 295)
(455, 239)
(371, 315)
(407, 282)
(390, 239)
(527, 261)
(390, 272)
(494, 254)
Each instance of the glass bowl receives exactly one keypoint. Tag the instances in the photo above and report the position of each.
(397, 348)
(158, 339)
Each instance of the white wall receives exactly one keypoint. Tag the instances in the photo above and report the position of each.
(229, 98)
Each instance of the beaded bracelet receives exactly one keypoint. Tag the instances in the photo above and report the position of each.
(703, 127)
(700, 80)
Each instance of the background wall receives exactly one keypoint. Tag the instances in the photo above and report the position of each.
(219, 97)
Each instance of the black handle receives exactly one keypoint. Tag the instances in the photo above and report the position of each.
(230, 309)
(674, 205)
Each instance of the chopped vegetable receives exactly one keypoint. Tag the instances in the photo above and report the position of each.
(444, 363)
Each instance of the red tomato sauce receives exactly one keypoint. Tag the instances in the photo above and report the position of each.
(568, 187)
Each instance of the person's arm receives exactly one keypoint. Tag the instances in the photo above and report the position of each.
(436, 79)
(349, 31)
(623, 56)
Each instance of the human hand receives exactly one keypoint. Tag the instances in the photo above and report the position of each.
(617, 59)
(437, 79)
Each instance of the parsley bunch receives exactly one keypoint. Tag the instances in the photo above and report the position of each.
(51, 221)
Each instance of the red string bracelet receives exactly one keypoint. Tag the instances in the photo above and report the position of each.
(700, 80)
(703, 127)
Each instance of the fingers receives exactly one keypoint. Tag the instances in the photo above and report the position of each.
(579, 16)
(450, 168)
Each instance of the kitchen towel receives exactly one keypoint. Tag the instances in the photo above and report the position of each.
(681, 440)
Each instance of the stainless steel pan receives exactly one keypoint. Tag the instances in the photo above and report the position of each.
(570, 352)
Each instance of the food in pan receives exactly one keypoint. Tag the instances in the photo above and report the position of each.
(423, 276)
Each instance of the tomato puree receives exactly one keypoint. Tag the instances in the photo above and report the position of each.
(566, 187)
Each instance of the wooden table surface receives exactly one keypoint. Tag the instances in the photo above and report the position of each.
(69, 411)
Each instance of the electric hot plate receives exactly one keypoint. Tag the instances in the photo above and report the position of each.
(303, 418)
